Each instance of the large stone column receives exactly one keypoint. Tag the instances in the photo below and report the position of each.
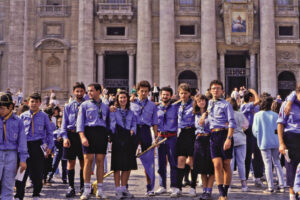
(144, 41)
(101, 68)
(131, 70)
(86, 41)
(167, 44)
(30, 71)
(16, 44)
(267, 47)
(252, 70)
(208, 44)
(222, 65)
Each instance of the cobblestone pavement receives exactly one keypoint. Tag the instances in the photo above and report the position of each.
(137, 187)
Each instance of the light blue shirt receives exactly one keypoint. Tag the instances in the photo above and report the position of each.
(124, 118)
(248, 109)
(69, 117)
(186, 118)
(92, 114)
(41, 125)
(263, 128)
(167, 118)
(290, 122)
(201, 128)
(145, 112)
(220, 114)
(16, 138)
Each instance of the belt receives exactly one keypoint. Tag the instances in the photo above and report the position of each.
(203, 134)
(187, 128)
(218, 129)
(167, 134)
(71, 131)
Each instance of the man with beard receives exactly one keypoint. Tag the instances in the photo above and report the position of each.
(72, 143)
(167, 128)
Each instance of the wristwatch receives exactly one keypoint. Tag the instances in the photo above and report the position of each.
(229, 137)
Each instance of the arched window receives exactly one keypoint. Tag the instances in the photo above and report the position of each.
(189, 77)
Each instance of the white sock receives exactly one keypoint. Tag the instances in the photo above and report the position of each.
(123, 188)
(87, 187)
(292, 197)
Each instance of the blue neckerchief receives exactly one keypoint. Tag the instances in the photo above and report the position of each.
(98, 104)
(165, 109)
(185, 105)
(142, 107)
(124, 115)
(76, 107)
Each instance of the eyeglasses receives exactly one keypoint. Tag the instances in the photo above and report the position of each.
(216, 88)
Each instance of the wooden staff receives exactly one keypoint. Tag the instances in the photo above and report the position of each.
(140, 154)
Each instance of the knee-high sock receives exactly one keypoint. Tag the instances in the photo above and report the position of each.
(71, 174)
(180, 175)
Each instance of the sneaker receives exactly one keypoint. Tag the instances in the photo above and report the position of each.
(119, 195)
(186, 183)
(258, 183)
(176, 193)
(280, 189)
(100, 194)
(192, 192)
(269, 191)
(85, 195)
(150, 193)
(160, 191)
(127, 194)
(245, 189)
(70, 192)
(206, 196)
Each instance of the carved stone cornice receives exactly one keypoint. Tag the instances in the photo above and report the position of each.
(131, 52)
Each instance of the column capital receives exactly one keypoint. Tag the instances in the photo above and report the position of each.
(222, 51)
(100, 52)
(131, 52)
(253, 50)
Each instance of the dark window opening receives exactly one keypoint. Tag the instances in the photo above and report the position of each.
(286, 30)
(235, 61)
(115, 30)
(187, 30)
(54, 2)
(186, 2)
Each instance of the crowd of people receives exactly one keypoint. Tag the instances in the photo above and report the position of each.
(202, 134)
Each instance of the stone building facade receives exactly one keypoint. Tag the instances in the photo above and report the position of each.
(50, 44)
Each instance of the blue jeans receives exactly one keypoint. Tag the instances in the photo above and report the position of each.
(239, 155)
(57, 158)
(168, 148)
(268, 155)
(8, 166)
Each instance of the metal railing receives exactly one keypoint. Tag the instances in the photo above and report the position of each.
(54, 10)
(114, 7)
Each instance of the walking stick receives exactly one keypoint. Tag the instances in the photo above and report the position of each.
(140, 154)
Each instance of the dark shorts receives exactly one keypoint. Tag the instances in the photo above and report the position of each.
(185, 142)
(123, 151)
(75, 149)
(143, 137)
(292, 141)
(202, 157)
(217, 140)
(97, 138)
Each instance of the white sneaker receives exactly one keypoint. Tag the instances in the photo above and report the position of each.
(258, 183)
(85, 195)
(175, 193)
(127, 194)
(150, 193)
(192, 192)
(100, 194)
(119, 195)
(161, 190)
(245, 189)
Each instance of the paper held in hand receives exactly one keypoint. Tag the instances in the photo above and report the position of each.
(44, 149)
(286, 156)
(20, 176)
